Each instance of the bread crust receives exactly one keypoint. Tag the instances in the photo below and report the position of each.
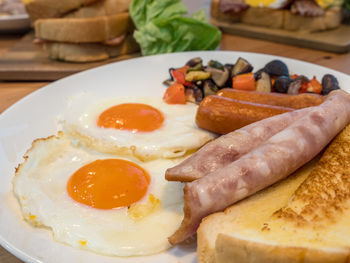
(90, 52)
(231, 249)
(280, 19)
(100, 8)
(265, 17)
(38, 9)
(216, 13)
(83, 30)
(331, 19)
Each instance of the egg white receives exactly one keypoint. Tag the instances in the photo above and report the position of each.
(40, 186)
(177, 136)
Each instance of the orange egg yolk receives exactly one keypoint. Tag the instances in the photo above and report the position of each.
(108, 184)
(131, 116)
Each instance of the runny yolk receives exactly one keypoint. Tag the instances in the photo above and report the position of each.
(131, 116)
(108, 184)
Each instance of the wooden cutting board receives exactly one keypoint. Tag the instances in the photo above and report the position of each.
(27, 61)
(336, 40)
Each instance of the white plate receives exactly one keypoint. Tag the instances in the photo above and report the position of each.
(34, 116)
(14, 23)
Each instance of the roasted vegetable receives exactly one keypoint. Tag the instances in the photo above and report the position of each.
(194, 94)
(264, 83)
(195, 64)
(329, 83)
(276, 68)
(197, 75)
(201, 80)
(209, 88)
(282, 84)
(175, 94)
(242, 66)
(294, 87)
(244, 82)
(215, 64)
(219, 76)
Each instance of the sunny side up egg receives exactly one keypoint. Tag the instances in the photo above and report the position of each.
(146, 128)
(105, 203)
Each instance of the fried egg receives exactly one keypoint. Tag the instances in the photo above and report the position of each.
(105, 203)
(147, 128)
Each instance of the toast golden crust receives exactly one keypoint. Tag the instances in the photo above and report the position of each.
(242, 250)
(38, 9)
(90, 52)
(101, 8)
(279, 19)
(325, 195)
(83, 30)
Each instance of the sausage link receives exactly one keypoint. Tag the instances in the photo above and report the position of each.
(275, 99)
(222, 115)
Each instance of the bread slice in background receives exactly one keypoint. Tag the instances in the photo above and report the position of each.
(265, 17)
(216, 13)
(295, 220)
(331, 19)
(52, 8)
(83, 30)
(278, 19)
(101, 8)
(90, 52)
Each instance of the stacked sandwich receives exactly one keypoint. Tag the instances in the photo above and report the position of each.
(83, 30)
(293, 15)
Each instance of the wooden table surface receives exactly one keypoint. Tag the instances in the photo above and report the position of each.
(10, 92)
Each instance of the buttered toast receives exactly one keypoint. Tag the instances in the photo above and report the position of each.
(303, 218)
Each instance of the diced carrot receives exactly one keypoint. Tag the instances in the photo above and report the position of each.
(244, 82)
(183, 69)
(316, 86)
(294, 76)
(273, 79)
(180, 77)
(175, 94)
(304, 87)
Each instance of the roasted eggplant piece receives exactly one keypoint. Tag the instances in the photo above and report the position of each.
(276, 68)
(194, 62)
(294, 87)
(168, 82)
(242, 66)
(329, 83)
(282, 83)
(257, 75)
(263, 84)
(209, 88)
(215, 64)
(219, 76)
(194, 94)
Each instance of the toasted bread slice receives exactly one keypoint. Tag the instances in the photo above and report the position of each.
(220, 16)
(278, 19)
(52, 8)
(331, 19)
(90, 52)
(265, 17)
(83, 30)
(295, 220)
(101, 8)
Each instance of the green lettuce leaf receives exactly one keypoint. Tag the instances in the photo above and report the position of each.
(144, 11)
(163, 28)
